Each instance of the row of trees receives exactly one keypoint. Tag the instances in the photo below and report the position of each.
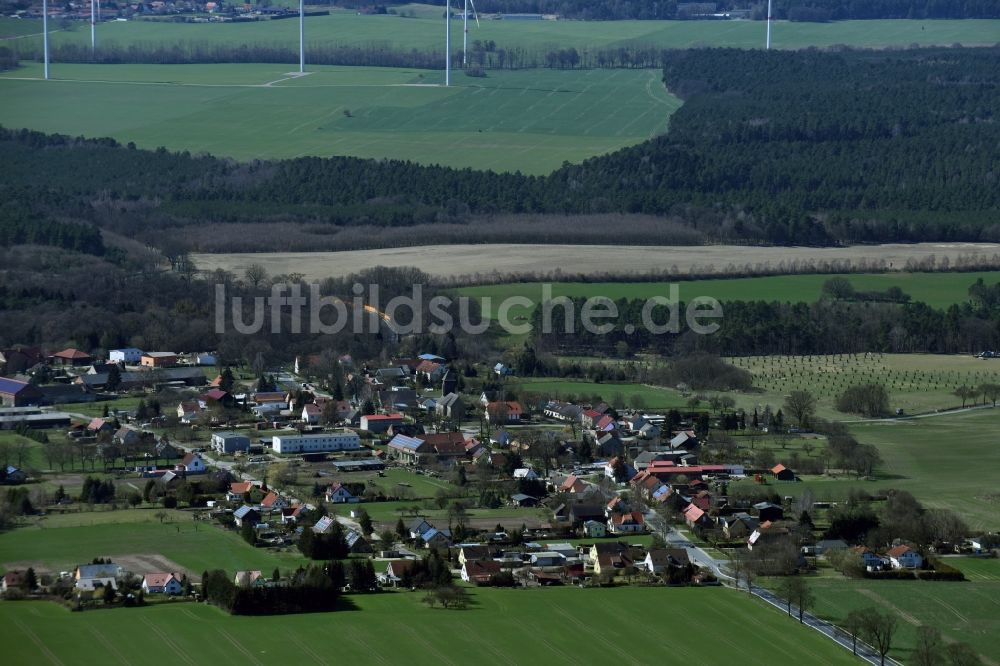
(310, 590)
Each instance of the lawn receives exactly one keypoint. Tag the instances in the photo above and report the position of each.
(617, 395)
(947, 462)
(425, 32)
(554, 626)
(939, 290)
(195, 546)
(529, 120)
(966, 612)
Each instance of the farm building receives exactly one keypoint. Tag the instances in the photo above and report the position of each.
(14, 393)
(782, 473)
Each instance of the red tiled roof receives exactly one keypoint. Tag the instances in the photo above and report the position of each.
(383, 417)
(899, 550)
(778, 468)
(72, 354)
(271, 498)
(158, 579)
(241, 487)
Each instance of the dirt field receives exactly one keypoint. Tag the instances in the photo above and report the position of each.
(490, 260)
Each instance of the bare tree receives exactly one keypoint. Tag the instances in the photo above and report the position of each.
(929, 650)
(801, 405)
(255, 275)
(879, 628)
(853, 625)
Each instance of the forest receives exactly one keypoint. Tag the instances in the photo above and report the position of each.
(808, 148)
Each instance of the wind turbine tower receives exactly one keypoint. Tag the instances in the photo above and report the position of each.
(447, 43)
(45, 35)
(767, 45)
(302, 36)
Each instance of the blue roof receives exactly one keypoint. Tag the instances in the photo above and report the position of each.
(131, 350)
(242, 511)
(11, 386)
(404, 442)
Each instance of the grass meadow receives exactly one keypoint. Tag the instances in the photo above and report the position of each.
(553, 625)
(530, 120)
(966, 611)
(65, 541)
(949, 462)
(425, 32)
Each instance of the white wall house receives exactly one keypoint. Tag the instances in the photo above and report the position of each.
(333, 441)
(129, 356)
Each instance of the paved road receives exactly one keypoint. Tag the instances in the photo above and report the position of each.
(675, 539)
(865, 651)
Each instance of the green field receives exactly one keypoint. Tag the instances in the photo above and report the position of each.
(427, 32)
(618, 395)
(194, 546)
(917, 383)
(939, 290)
(529, 120)
(966, 612)
(948, 462)
(552, 626)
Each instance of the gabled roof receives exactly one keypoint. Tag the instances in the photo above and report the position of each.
(404, 443)
(899, 551)
(215, 394)
(241, 487)
(323, 524)
(158, 579)
(243, 511)
(778, 468)
(270, 499)
(12, 386)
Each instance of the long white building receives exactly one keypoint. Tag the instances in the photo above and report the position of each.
(344, 440)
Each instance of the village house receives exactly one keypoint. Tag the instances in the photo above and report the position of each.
(128, 356)
(249, 579)
(161, 583)
(238, 490)
(451, 406)
(273, 502)
(479, 571)
(626, 523)
(92, 576)
(380, 423)
(504, 413)
(768, 511)
(71, 357)
(188, 410)
(158, 360)
(246, 514)
(193, 463)
(904, 557)
(595, 529)
(340, 494)
(659, 560)
(738, 526)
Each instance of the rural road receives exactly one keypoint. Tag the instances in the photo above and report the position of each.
(675, 539)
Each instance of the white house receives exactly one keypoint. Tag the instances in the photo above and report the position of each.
(344, 440)
(904, 557)
(626, 523)
(193, 464)
(230, 442)
(595, 529)
(128, 356)
(338, 494)
(161, 583)
(525, 473)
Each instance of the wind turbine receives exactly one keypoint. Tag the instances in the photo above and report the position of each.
(447, 43)
(302, 36)
(767, 45)
(465, 27)
(45, 35)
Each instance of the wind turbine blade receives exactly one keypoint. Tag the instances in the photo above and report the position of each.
(474, 12)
